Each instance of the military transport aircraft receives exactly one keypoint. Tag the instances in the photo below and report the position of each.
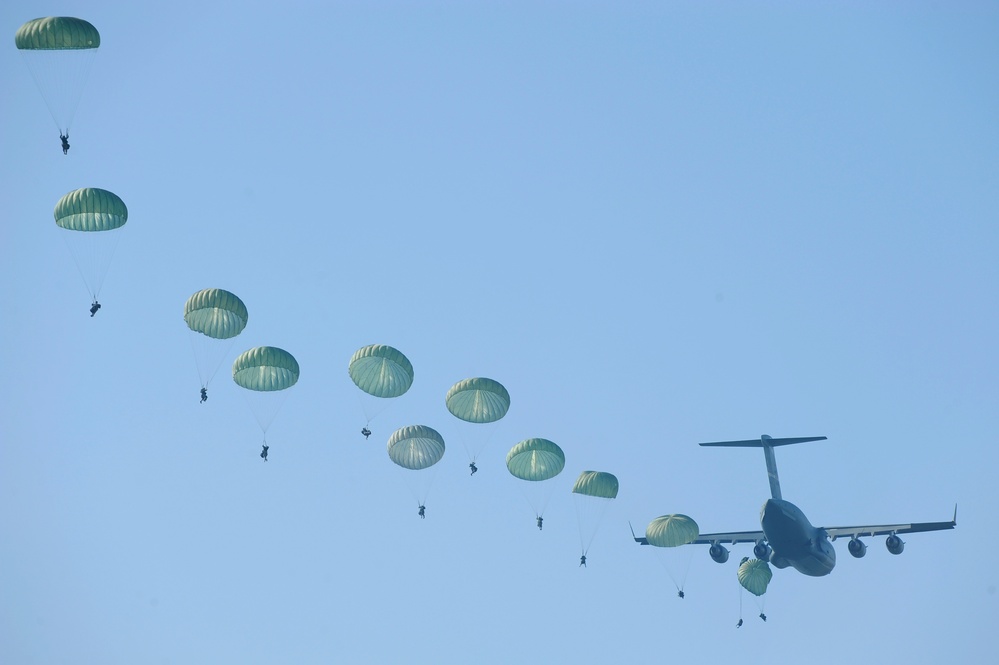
(788, 539)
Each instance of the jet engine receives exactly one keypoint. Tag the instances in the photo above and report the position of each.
(762, 551)
(894, 544)
(857, 548)
(718, 553)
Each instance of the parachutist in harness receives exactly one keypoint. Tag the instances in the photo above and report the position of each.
(366, 432)
(263, 453)
(423, 512)
(541, 520)
(473, 468)
(739, 625)
(65, 143)
(204, 395)
(763, 616)
(582, 561)
(680, 593)
(93, 308)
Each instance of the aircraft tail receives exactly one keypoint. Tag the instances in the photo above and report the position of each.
(764, 441)
(767, 443)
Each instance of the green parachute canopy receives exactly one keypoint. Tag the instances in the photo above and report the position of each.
(92, 218)
(265, 369)
(755, 575)
(671, 531)
(57, 33)
(478, 400)
(596, 483)
(59, 52)
(535, 459)
(90, 209)
(381, 371)
(215, 313)
(415, 447)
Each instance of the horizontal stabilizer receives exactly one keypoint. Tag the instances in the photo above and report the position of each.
(759, 443)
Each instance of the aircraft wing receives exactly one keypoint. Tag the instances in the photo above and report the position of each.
(887, 529)
(729, 537)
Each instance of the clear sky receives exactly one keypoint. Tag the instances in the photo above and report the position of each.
(656, 223)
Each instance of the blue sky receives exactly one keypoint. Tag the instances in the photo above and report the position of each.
(655, 223)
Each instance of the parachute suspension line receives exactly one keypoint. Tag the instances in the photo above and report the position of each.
(538, 495)
(474, 441)
(209, 353)
(364, 410)
(94, 250)
(371, 406)
(194, 352)
(593, 520)
(265, 406)
(60, 76)
(761, 603)
(530, 502)
(103, 263)
(679, 565)
(79, 267)
(420, 483)
(45, 97)
(678, 579)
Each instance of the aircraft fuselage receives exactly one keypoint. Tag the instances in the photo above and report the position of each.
(794, 541)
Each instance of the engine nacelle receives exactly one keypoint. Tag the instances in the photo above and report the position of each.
(718, 553)
(857, 548)
(894, 544)
(762, 551)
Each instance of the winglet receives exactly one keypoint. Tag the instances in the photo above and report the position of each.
(640, 541)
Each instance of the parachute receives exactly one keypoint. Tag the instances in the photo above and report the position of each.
(266, 372)
(755, 575)
(382, 372)
(265, 369)
(593, 492)
(92, 219)
(417, 448)
(599, 484)
(215, 317)
(480, 401)
(536, 460)
(668, 534)
(59, 52)
(671, 531)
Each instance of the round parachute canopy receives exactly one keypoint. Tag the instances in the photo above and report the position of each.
(478, 400)
(755, 575)
(415, 447)
(215, 313)
(596, 483)
(535, 459)
(90, 209)
(671, 531)
(57, 33)
(59, 51)
(265, 369)
(381, 371)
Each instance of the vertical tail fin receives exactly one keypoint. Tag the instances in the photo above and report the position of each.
(767, 443)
